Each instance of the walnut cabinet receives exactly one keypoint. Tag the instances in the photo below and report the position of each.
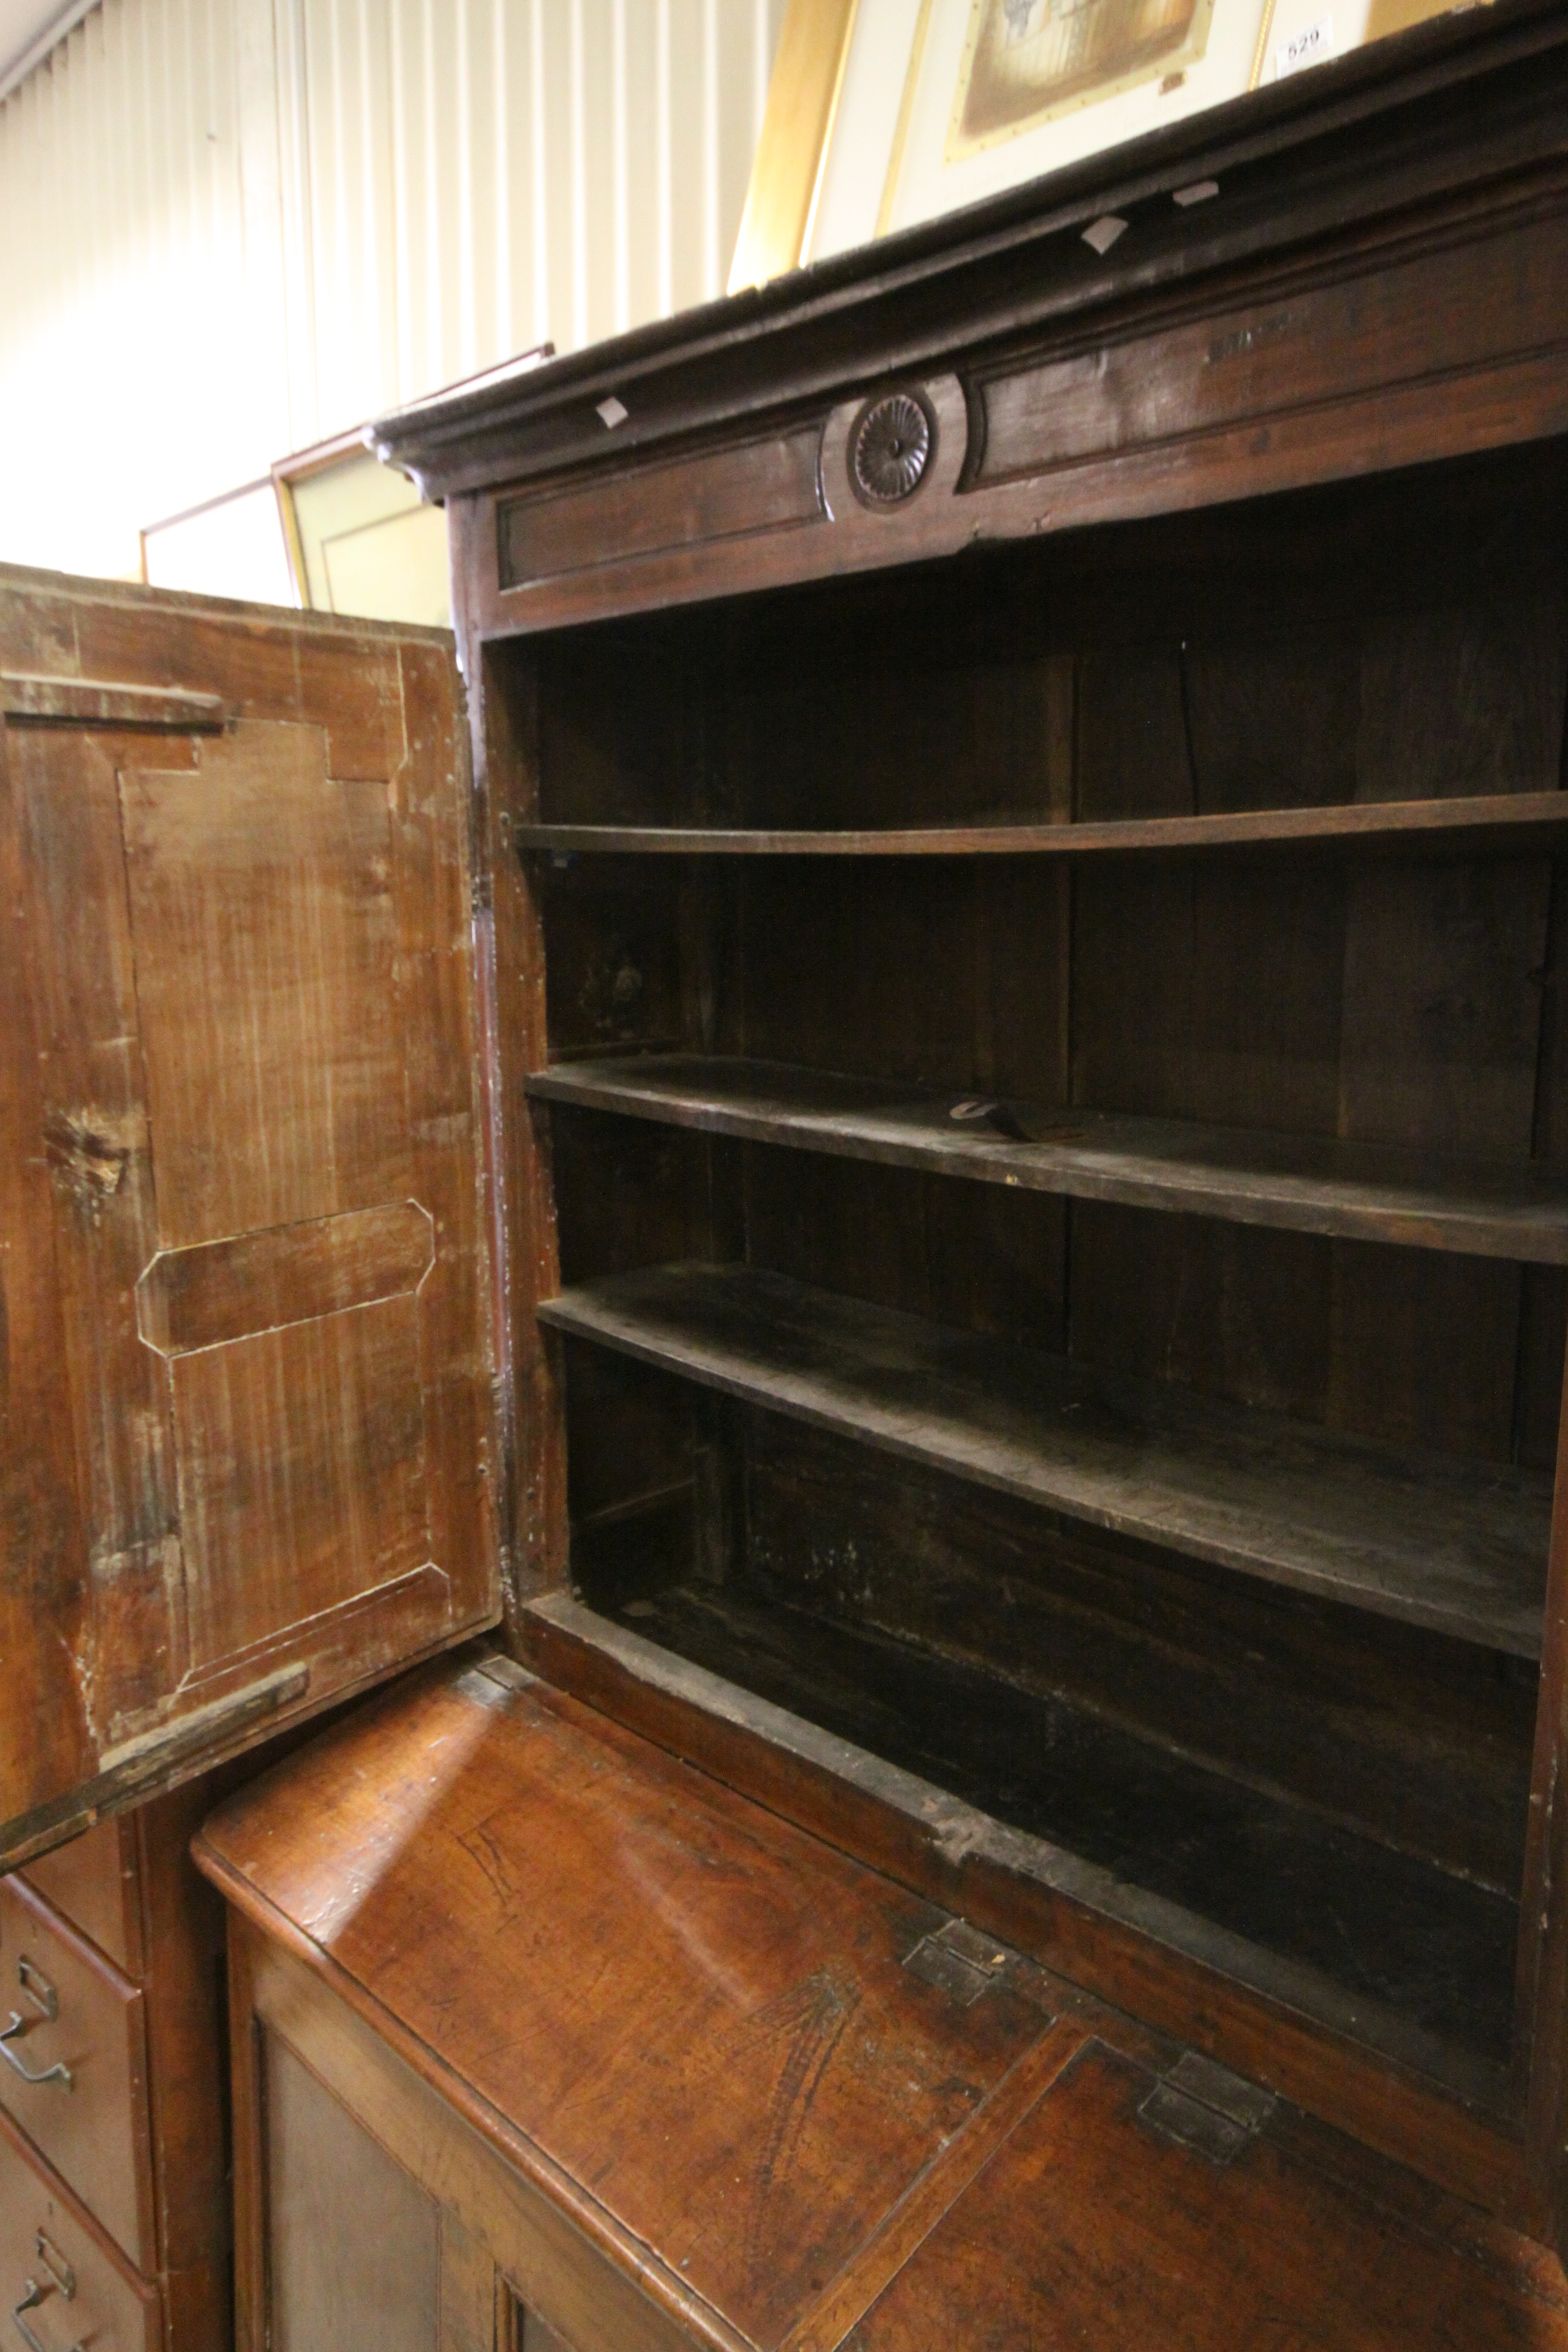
(933, 1158)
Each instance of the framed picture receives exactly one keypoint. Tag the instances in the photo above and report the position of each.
(882, 113)
(997, 91)
(229, 546)
(1026, 62)
(359, 538)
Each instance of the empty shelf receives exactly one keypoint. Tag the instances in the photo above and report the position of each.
(1392, 1949)
(1457, 1547)
(1309, 1184)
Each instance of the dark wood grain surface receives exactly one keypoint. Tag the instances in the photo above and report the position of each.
(1491, 822)
(798, 2108)
(1303, 1183)
(1461, 1549)
(1222, 854)
(694, 2011)
(1087, 2228)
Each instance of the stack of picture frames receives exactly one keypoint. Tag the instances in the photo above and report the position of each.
(883, 113)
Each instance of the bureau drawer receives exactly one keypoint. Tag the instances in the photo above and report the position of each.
(78, 2028)
(90, 1881)
(52, 2260)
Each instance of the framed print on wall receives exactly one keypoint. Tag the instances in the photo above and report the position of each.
(887, 112)
(1000, 90)
(360, 539)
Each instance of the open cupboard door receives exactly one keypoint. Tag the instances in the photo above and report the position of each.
(244, 1435)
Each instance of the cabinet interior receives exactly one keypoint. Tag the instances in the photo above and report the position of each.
(1083, 1318)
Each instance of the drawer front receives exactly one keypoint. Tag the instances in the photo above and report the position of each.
(75, 2025)
(91, 1882)
(59, 2287)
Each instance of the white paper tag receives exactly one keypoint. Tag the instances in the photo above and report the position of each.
(1198, 193)
(613, 412)
(1310, 46)
(1103, 233)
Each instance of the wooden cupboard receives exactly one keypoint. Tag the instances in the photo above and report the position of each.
(1024, 790)
(942, 1173)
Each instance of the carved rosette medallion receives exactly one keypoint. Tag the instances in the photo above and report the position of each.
(890, 446)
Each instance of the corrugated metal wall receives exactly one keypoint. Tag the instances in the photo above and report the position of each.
(229, 228)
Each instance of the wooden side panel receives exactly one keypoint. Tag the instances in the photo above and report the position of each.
(353, 2244)
(188, 2122)
(258, 1116)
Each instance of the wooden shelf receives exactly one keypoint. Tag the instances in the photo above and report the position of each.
(1457, 1547)
(1378, 1943)
(1307, 1184)
(1522, 819)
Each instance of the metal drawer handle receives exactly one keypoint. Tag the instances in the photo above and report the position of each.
(38, 1989)
(56, 2265)
(33, 2294)
(18, 2025)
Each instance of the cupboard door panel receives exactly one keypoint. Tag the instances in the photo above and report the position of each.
(353, 2243)
(249, 1128)
(302, 1473)
(265, 938)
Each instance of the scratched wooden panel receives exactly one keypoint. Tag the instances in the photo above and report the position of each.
(255, 1298)
(225, 1290)
(263, 664)
(42, 1560)
(302, 1472)
(265, 935)
(97, 1144)
(1091, 2226)
(429, 883)
(747, 2073)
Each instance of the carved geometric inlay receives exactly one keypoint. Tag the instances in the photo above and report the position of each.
(890, 446)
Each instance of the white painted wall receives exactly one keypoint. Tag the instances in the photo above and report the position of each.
(230, 228)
